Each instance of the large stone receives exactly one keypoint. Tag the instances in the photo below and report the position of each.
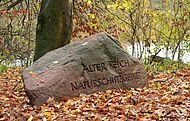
(97, 63)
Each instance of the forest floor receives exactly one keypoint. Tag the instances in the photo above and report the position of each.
(167, 98)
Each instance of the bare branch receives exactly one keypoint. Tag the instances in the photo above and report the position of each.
(13, 4)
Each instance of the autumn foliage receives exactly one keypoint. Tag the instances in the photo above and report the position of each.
(163, 25)
(167, 98)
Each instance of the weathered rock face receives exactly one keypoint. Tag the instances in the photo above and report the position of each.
(93, 64)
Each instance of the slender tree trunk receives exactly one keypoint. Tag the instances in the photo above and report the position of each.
(54, 26)
(167, 49)
(179, 55)
(175, 49)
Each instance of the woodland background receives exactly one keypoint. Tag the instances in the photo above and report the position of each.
(147, 27)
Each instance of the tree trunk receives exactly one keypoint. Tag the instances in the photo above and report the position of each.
(54, 26)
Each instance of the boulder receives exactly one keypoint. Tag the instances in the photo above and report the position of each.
(97, 63)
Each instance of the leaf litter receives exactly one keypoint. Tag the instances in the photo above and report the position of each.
(167, 98)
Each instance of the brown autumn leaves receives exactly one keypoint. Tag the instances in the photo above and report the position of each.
(167, 98)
